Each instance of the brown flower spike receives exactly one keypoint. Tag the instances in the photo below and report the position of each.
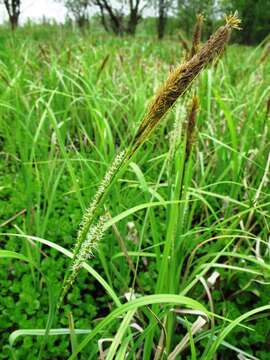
(196, 35)
(194, 106)
(180, 79)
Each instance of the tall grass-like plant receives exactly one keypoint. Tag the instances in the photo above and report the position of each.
(175, 86)
(62, 118)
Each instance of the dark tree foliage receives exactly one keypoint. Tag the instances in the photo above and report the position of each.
(13, 8)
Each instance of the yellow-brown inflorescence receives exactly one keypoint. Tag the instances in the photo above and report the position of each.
(86, 250)
(180, 79)
(197, 32)
(194, 106)
(89, 214)
(265, 54)
(184, 42)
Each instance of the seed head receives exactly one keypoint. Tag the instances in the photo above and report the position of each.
(87, 248)
(90, 212)
(180, 79)
(194, 106)
(197, 32)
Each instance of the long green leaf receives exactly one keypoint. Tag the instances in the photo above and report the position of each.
(134, 305)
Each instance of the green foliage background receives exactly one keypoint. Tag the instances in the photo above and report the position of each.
(52, 92)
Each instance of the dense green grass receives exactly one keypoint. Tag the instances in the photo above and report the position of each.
(67, 102)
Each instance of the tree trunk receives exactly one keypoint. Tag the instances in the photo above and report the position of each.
(103, 19)
(14, 21)
(132, 22)
(162, 18)
(82, 22)
(115, 19)
(13, 10)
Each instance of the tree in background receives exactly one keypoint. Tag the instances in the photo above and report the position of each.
(135, 15)
(163, 7)
(80, 11)
(255, 16)
(13, 8)
(121, 16)
(111, 17)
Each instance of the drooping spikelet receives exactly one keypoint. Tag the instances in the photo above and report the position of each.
(180, 79)
(90, 243)
(175, 135)
(197, 32)
(194, 106)
(102, 66)
(184, 42)
(89, 214)
(265, 53)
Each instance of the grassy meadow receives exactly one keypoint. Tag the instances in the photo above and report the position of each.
(182, 270)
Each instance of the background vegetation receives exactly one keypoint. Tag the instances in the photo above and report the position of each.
(68, 100)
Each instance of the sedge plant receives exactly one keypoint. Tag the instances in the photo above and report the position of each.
(208, 206)
(178, 82)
